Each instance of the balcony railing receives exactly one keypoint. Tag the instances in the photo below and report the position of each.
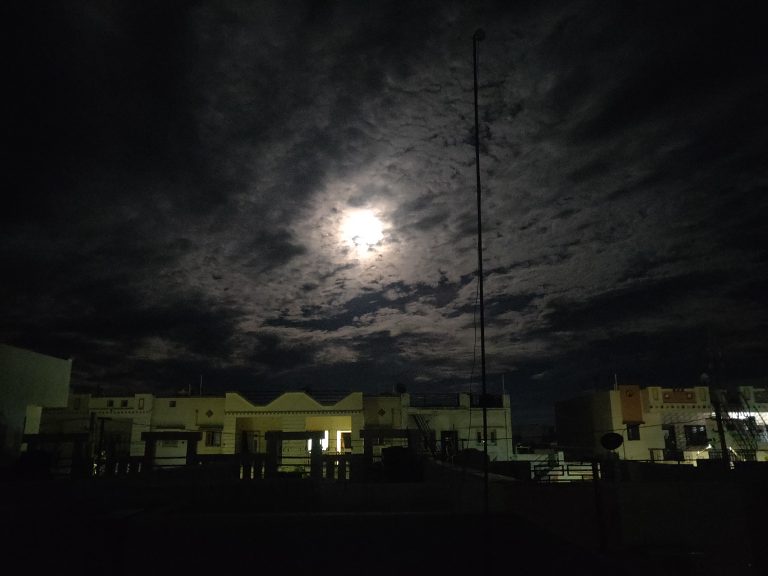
(667, 455)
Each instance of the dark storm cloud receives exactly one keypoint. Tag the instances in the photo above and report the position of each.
(745, 232)
(753, 290)
(181, 175)
(170, 376)
(271, 352)
(111, 313)
(270, 248)
(353, 310)
(439, 296)
(664, 61)
(199, 326)
(98, 92)
(323, 81)
(666, 357)
(381, 347)
(499, 305)
(637, 300)
(643, 264)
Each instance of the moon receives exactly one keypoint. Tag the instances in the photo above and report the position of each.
(362, 230)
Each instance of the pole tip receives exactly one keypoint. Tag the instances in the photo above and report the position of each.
(479, 34)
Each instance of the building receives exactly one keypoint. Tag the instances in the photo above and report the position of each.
(297, 432)
(667, 424)
(28, 382)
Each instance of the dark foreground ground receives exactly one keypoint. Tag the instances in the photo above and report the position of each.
(103, 528)
(195, 534)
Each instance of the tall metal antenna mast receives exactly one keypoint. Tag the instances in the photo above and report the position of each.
(478, 36)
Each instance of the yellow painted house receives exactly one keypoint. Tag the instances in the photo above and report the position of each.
(285, 428)
(660, 424)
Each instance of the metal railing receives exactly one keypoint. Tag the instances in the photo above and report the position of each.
(564, 472)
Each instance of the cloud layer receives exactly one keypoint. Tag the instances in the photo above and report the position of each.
(179, 177)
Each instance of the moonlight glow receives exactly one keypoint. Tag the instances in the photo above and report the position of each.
(362, 230)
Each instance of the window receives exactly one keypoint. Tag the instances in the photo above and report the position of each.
(479, 437)
(696, 435)
(493, 437)
(172, 403)
(213, 438)
(633, 431)
(123, 403)
(141, 403)
(110, 403)
(670, 438)
(323, 443)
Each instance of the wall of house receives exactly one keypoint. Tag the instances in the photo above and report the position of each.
(291, 412)
(27, 378)
(73, 418)
(188, 413)
(648, 424)
(170, 453)
(469, 424)
(333, 424)
(142, 421)
(385, 411)
(573, 423)
(136, 410)
(294, 451)
(232, 418)
(582, 421)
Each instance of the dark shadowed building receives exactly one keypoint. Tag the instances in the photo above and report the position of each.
(28, 382)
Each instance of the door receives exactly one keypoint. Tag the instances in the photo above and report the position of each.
(449, 443)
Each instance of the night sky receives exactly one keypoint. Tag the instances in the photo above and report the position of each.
(184, 184)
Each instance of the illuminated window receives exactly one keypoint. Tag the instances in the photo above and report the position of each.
(633, 431)
(323, 443)
(213, 438)
(343, 440)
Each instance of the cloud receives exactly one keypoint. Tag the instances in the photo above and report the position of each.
(179, 177)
